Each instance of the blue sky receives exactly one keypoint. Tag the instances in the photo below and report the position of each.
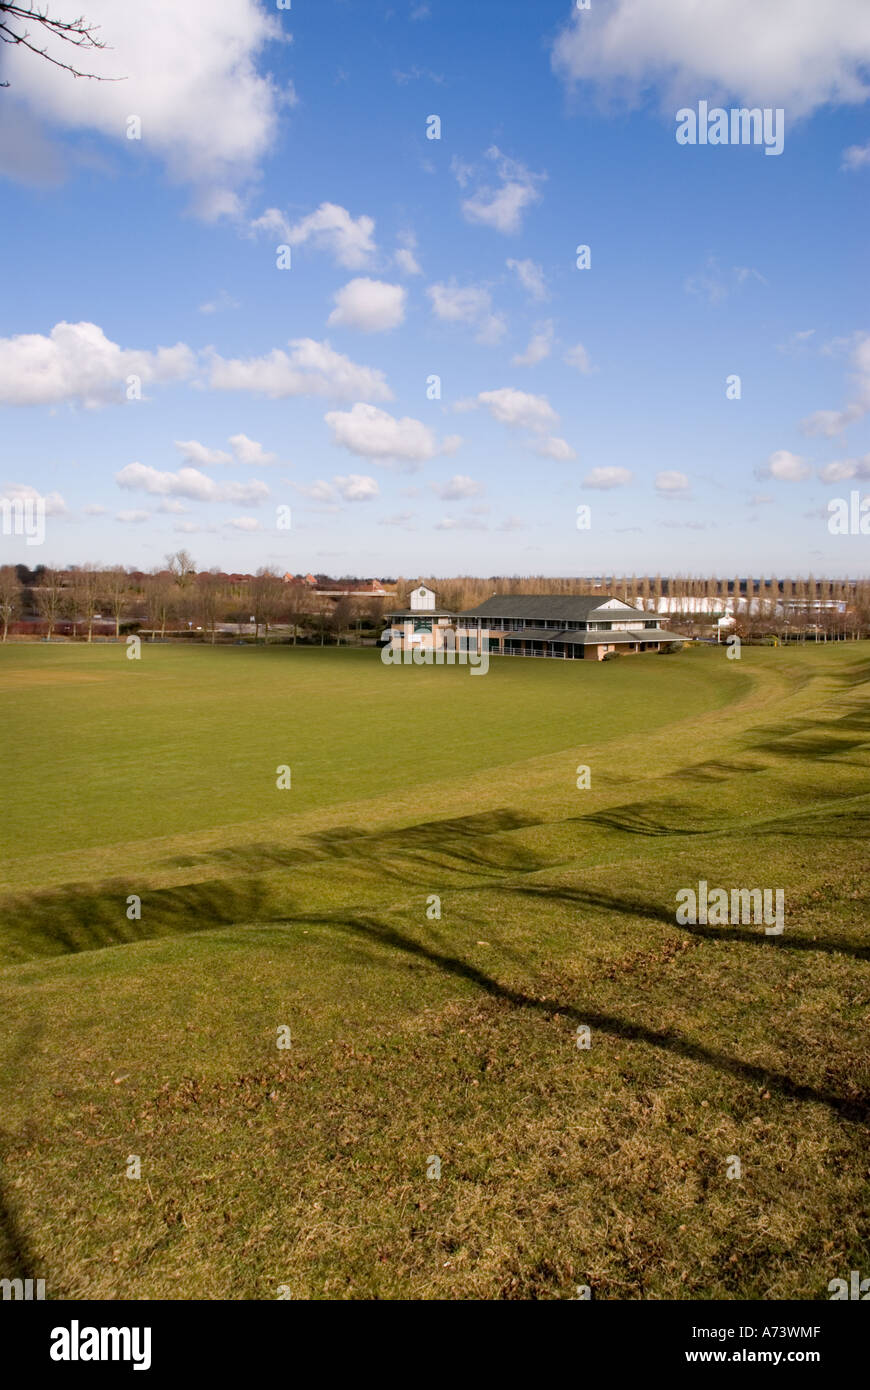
(454, 257)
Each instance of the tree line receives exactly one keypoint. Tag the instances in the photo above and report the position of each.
(84, 598)
(179, 597)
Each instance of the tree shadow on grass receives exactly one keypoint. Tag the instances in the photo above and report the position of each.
(843, 816)
(715, 770)
(859, 674)
(460, 841)
(655, 818)
(636, 908)
(462, 838)
(855, 1108)
(17, 1259)
(73, 918)
(822, 736)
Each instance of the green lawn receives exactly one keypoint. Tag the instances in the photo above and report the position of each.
(189, 739)
(416, 1036)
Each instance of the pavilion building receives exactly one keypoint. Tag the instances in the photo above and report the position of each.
(581, 626)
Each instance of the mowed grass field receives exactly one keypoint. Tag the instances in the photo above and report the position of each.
(415, 1036)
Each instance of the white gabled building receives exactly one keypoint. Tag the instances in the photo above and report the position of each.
(586, 626)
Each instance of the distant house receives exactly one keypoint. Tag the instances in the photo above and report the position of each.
(363, 588)
(582, 626)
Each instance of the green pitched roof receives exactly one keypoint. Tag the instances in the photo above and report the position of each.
(565, 608)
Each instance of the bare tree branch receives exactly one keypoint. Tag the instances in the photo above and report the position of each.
(76, 32)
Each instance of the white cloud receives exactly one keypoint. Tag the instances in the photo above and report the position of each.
(502, 207)
(671, 481)
(605, 478)
(349, 240)
(198, 454)
(470, 304)
(170, 507)
(134, 517)
(192, 528)
(833, 422)
(372, 306)
(554, 448)
(311, 369)
(53, 501)
(531, 277)
(782, 53)
(856, 157)
(77, 362)
(244, 523)
(187, 482)
(715, 284)
(95, 509)
(189, 73)
(245, 450)
(212, 204)
(318, 491)
(844, 469)
(405, 258)
(407, 261)
(460, 485)
(416, 74)
(540, 346)
(375, 434)
(222, 300)
(461, 523)
(352, 487)
(356, 487)
(578, 357)
(519, 409)
(785, 467)
(797, 342)
(249, 452)
(402, 519)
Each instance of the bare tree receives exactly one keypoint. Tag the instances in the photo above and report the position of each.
(158, 601)
(342, 616)
(267, 599)
(295, 602)
(50, 597)
(15, 18)
(10, 596)
(83, 592)
(320, 619)
(181, 566)
(207, 600)
(116, 587)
